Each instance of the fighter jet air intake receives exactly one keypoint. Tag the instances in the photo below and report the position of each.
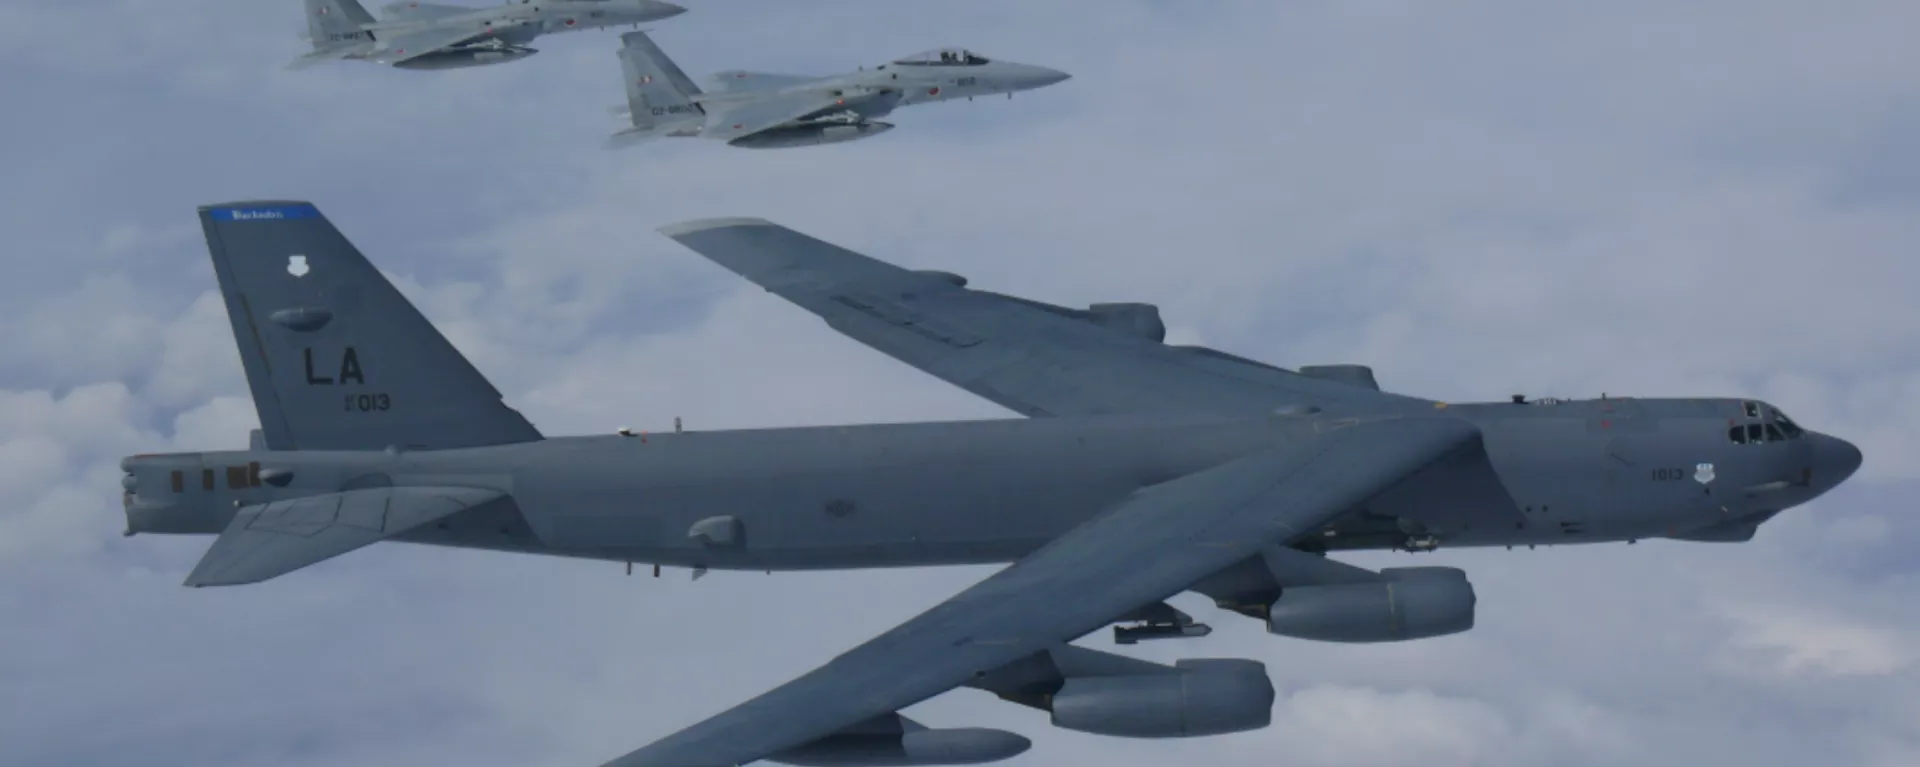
(416, 35)
(1140, 470)
(770, 111)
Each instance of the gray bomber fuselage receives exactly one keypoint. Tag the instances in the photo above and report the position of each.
(1581, 471)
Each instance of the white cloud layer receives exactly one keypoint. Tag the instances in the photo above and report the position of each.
(1474, 197)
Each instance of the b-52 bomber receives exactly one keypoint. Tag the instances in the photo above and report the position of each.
(756, 110)
(1142, 470)
(416, 35)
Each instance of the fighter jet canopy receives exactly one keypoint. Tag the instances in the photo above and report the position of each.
(944, 57)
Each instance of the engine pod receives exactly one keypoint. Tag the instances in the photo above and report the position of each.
(913, 748)
(1406, 603)
(1201, 697)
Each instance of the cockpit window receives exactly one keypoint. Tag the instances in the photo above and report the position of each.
(1780, 430)
(1752, 408)
(1787, 425)
(945, 57)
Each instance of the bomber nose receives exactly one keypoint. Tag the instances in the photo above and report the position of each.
(1834, 460)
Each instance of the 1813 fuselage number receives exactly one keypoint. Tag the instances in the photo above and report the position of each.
(366, 403)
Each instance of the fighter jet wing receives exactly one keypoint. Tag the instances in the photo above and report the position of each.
(409, 10)
(406, 46)
(1149, 547)
(741, 81)
(268, 540)
(1030, 357)
(731, 119)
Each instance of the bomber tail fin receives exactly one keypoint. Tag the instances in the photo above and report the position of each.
(657, 91)
(335, 25)
(335, 356)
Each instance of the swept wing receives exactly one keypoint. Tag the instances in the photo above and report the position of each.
(272, 539)
(742, 81)
(729, 120)
(1156, 543)
(406, 46)
(1031, 357)
(413, 11)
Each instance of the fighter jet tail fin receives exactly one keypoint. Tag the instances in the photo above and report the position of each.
(657, 91)
(337, 24)
(335, 356)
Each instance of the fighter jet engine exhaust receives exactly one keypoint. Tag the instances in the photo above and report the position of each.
(1410, 603)
(1206, 697)
(811, 135)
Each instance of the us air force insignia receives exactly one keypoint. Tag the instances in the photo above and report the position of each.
(1703, 473)
(297, 266)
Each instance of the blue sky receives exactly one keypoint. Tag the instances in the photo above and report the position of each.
(1476, 198)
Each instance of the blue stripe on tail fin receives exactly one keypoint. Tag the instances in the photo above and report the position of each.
(336, 358)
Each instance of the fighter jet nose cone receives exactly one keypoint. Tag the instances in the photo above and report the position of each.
(1051, 76)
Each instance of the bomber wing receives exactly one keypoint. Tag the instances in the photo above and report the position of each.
(1154, 544)
(1030, 357)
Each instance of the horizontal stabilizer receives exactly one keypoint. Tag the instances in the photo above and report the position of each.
(265, 541)
(330, 54)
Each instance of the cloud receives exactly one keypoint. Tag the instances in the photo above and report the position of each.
(1789, 642)
(1477, 198)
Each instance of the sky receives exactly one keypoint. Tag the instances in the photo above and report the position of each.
(1476, 198)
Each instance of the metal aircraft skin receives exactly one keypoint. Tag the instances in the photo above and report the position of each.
(416, 35)
(757, 110)
(1143, 470)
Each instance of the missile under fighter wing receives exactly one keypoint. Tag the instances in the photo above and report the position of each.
(766, 111)
(416, 35)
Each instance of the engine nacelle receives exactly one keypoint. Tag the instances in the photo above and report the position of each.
(1204, 697)
(1410, 603)
(917, 748)
(477, 56)
(811, 135)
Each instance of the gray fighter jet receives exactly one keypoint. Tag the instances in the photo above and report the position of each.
(767, 111)
(417, 35)
(1143, 470)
